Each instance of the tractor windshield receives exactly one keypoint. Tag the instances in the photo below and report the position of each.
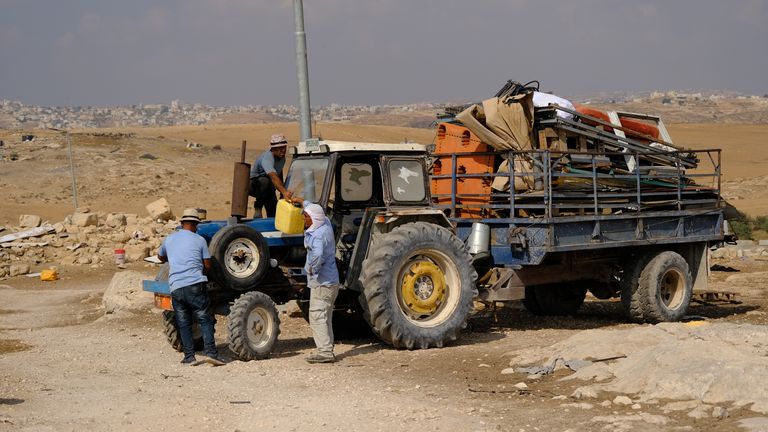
(306, 177)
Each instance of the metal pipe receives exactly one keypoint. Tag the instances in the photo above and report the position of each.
(72, 168)
(302, 71)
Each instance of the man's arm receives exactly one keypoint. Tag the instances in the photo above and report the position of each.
(315, 255)
(161, 255)
(206, 265)
(279, 185)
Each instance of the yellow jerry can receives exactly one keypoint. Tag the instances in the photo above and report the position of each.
(288, 218)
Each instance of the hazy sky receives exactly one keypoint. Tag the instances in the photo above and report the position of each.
(224, 52)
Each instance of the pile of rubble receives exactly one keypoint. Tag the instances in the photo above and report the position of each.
(83, 238)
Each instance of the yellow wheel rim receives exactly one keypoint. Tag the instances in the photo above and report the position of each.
(423, 288)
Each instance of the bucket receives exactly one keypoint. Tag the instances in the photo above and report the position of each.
(119, 256)
(479, 239)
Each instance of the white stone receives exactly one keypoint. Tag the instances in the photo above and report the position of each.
(508, 371)
(30, 221)
(136, 252)
(18, 269)
(160, 209)
(521, 386)
(125, 293)
(85, 219)
(115, 220)
(622, 400)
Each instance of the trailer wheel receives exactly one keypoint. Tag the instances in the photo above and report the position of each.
(171, 329)
(239, 257)
(628, 285)
(557, 299)
(253, 326)
(665, 288)
(418, 286)
(530, 303)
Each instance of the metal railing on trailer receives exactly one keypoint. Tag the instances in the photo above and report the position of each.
(586, 203)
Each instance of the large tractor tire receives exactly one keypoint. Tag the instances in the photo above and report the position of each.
(239, 257)
(554, 299)
(253, 325)
(170, 327)
(418, 286)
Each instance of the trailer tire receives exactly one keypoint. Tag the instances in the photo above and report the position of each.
(558, 299)
(239, 257)
(629, 288)
(665, 288)
(530, 303)
(171, 330)
(253, 325)
(418, 286)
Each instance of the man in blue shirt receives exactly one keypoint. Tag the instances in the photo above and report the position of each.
(322, 280)
(189, 260)
(267, 176)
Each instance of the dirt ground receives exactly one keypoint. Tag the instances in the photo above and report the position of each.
(65, 366)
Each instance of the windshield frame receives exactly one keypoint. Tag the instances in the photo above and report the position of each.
(327, 180)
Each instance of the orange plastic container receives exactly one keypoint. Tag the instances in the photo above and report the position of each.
(453, 139)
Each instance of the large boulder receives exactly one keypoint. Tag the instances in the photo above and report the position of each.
(115, 220)
(18, 269)
(30, 221)
(85, 219)
(160, 209)
(125, 293)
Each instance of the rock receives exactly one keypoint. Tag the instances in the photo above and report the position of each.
(30, 221)
(636, 406)
(59, 227)
(763, 242)
(125, 293)
(160, 209)
(483, 365)
(508, 371)
(622, 400)
(136, 252)
(18, 269)
(115, 220)
(149, 156)
(719, 412)
(699, 412)
(605, 403)
(85, 219)
(584, 393)
(521, 386)
(560, 397)
(83, 260)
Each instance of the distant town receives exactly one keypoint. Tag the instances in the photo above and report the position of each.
(17, 115)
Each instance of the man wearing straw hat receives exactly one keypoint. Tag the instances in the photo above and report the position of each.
(267, 177)
(189, 260)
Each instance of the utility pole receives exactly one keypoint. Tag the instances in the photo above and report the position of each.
(302, 71)
(66, 135)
